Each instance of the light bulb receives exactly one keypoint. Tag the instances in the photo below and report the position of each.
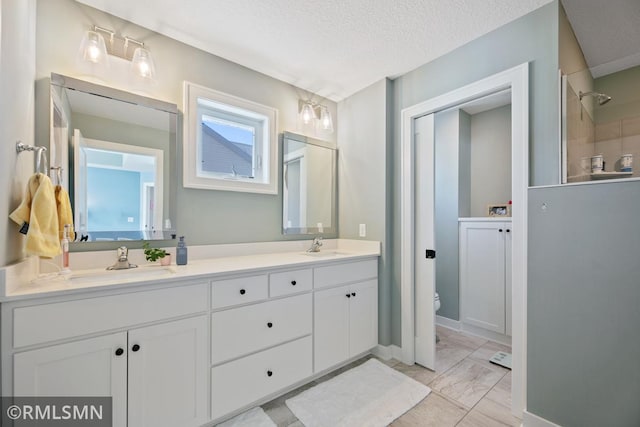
(142, 63)
(307, 114)
(326, 121)
(93, 48)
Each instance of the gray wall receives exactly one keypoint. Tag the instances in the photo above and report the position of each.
(532, 38)
(17, 38)
(363, 163)
(583, 305)
(490, 159)
(204, 217)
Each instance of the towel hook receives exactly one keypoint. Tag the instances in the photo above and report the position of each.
(58, 170)
(39, 151)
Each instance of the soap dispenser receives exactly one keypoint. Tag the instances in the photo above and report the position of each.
(181, 252)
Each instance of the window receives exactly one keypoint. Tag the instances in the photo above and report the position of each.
(229, 143)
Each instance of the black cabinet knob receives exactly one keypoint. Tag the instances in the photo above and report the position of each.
(119, 352)
(293, 283)
(508, 230)
(135, 347)
(242, 292)
(500, 230)
(348, 295)
(269, 373)
(353, 294)
(269, 325)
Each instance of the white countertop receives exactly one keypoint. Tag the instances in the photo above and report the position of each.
(23, 280)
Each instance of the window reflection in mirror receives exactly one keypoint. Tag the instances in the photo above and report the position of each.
(309, 186)
(116, 151)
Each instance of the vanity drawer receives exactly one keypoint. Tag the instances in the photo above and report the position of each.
(243, 330)
(290, 282)
(225, 293)
(338, 274)
(50, 322)
(243, 381)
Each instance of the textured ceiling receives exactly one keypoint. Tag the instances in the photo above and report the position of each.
(608, 32)
(332, 47)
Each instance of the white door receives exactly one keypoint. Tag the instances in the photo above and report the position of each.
(425, 325)
(90, 367)
(363, 317)
(482, 274)
(331, 327)
(168, 370)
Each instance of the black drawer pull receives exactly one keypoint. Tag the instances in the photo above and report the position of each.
(135, 347)
(269, 373)
(500, 230)
(242, 292)
(269, 325)
(348, 295)
(353, 294)
(119, 352)
(293, 283)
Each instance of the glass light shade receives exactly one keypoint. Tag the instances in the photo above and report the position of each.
(93, 49)
(307, 114)
(326, 121)
(142, 64)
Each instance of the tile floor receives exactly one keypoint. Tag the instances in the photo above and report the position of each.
(466, 390)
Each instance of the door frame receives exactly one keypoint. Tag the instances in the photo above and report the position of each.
(516, 79)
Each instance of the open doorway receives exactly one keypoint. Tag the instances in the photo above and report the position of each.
(418, 220)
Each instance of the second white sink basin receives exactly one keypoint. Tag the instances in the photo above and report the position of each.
(329, 253)
(140, 273)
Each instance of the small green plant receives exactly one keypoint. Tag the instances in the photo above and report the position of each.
(153, 254)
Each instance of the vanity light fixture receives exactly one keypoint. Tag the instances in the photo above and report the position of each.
(94, 50)
(315, 114)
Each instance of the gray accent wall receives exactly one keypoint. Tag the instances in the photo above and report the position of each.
(532, 38)
(364, 197)
(583, 365)
(17, 36)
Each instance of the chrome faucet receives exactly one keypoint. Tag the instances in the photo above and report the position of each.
(123, 260)
(315, 245)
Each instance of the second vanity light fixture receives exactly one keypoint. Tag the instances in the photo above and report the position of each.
(312, 113)
(95, 51)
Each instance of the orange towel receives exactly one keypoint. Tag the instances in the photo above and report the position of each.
(65, 214)
(38, 210)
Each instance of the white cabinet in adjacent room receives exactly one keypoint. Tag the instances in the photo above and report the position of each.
(346, 322)
(485, 275)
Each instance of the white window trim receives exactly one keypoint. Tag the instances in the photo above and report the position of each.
(191, 179)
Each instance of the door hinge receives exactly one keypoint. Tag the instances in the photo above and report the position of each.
(430, 254)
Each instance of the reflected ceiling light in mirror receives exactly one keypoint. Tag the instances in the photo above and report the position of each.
(94, 51)
(317, 115)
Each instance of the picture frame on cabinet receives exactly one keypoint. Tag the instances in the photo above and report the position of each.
(499, 210)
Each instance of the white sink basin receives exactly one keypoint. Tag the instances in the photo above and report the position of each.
(141, 273)
(325, 254)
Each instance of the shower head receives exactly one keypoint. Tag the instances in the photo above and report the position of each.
(602, 98)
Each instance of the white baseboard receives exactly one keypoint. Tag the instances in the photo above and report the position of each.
(486, 334)
(448, 323)
(387, 352)
(531, 420)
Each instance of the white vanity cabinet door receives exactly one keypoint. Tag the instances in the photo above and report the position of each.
(482, 274)
(363, 317)
(331, 327)
(89, 367)
(168, 374)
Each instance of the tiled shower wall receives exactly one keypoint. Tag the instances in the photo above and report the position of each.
(618, 137)
(611, 139)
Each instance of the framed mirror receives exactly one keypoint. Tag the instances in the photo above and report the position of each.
(115, 152)
(309, 186)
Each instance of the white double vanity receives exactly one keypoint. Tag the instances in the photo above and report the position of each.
(195, 344)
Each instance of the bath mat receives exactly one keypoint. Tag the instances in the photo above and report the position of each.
(370, 395)
(502, 359)
(255, 417)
